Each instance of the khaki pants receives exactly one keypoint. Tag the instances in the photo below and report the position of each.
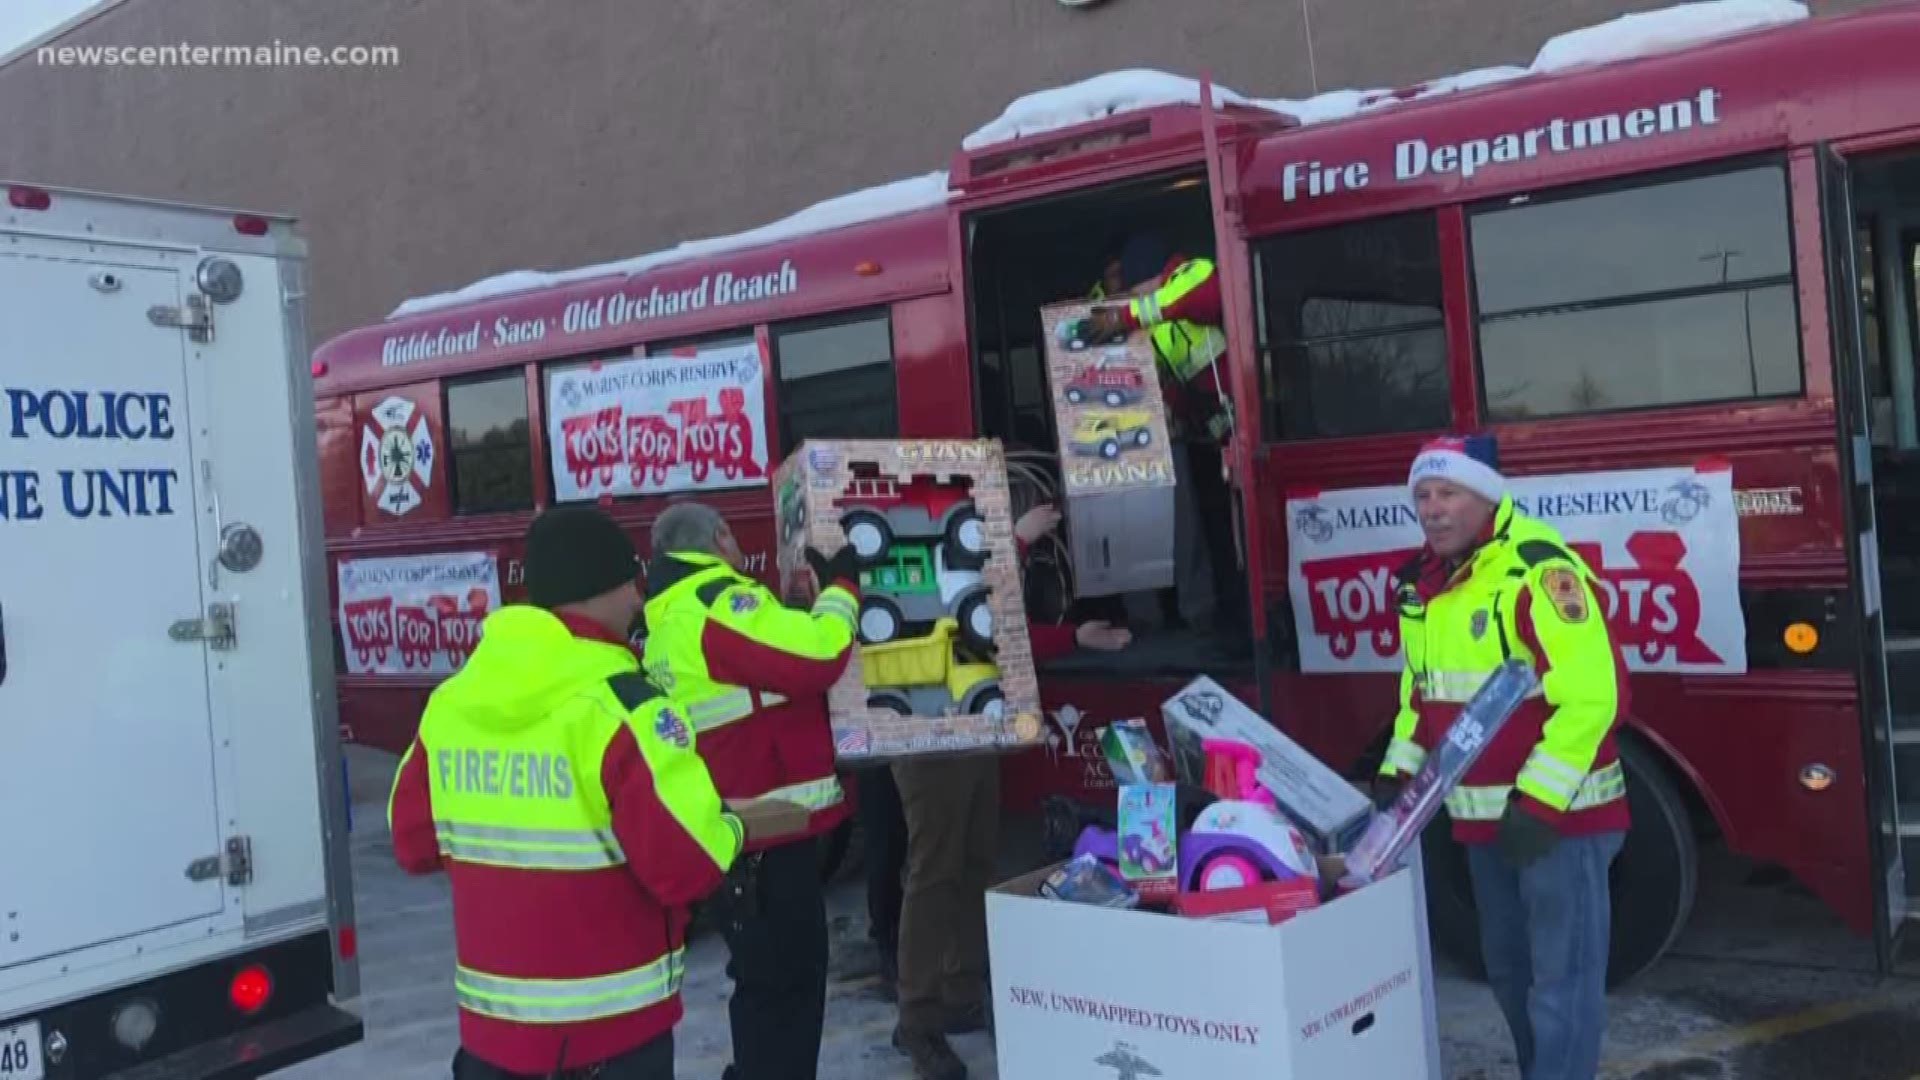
(952, 807)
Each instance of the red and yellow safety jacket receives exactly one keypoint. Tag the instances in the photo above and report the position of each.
(563, 797)
(1522, 594)
(1184, 316)
(752, 676)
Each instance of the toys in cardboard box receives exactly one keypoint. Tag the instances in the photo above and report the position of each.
(1116, 457)
(1148, 850)
(1269, 902)
(1131, 755)
(943, 664)
(1087, 880)
(1243, 839)
(1328, 810)
(1397, 828)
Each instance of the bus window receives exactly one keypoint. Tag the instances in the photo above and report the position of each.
(1352, 330)
(836, 379)
(492, 451)
(1659, 294)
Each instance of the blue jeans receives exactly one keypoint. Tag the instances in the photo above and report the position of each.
(1544, 933)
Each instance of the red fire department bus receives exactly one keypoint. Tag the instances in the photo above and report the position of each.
(1681, 288)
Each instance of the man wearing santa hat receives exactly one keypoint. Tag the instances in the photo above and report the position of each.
(1543, 811)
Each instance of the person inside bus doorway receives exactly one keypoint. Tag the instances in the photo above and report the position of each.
(1176, 299)
(559, 790)
(752, 675)
(1543, 811)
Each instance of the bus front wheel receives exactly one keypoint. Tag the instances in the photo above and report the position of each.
(1652, 881)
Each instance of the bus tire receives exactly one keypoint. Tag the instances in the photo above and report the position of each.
(1653, 880)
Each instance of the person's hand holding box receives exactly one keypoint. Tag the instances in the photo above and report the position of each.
(769, 819)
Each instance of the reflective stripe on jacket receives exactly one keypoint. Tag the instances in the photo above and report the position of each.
(752, 675)
(1186, 345)
(562, 794)
(1522, 594)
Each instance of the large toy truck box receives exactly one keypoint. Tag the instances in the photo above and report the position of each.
(174, 892)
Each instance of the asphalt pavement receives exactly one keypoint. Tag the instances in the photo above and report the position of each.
(1764, 985)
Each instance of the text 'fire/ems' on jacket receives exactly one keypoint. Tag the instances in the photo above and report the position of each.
(562, 794)
(1523, 594)
(752, 675)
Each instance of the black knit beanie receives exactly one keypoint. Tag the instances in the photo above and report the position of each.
(576, 553)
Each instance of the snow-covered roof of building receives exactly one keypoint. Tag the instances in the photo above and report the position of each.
(1116, 92)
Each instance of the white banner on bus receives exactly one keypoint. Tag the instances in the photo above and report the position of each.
(417, 614)
(1665, 542)
(659, 424)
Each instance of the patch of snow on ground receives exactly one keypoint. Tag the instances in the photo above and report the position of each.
(854, 208)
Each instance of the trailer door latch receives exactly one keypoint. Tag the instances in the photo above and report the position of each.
(217, 629)
(194, 316)
(236, 863)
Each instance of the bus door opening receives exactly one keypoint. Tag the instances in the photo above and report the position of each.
(1886, 254)
(1070, 247)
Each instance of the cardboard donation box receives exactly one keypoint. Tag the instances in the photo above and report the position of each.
(1343, 989)
(943, 663)
(1116, 457)
(1331, 812)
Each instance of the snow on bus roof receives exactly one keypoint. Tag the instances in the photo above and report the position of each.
(1624, 38)
(853, 208)
(1115, 92)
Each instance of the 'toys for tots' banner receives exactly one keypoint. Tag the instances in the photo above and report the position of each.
(1665, 543)
(416, 614)
(660, 423)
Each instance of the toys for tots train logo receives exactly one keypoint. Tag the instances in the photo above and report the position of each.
(396, 456)
(634, 425)
(415, 614)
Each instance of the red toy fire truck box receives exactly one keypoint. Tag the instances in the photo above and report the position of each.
(943, 664)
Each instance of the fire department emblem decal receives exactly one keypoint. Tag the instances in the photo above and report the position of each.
(396, 456)
(743, 603)
(672, 729)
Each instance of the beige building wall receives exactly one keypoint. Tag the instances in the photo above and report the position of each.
(516, 133)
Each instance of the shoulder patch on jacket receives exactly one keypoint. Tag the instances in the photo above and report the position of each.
(1569, 596)
(710, 591)
(671, 728)
(1535, 552)
(633, 689)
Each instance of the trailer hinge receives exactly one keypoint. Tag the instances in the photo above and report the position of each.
(195, 317)
(236, 863)
(217, 629)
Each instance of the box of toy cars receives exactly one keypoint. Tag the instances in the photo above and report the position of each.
(1116, 455)
(943, 663)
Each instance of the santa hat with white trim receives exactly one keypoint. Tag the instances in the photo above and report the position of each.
(1472, 462)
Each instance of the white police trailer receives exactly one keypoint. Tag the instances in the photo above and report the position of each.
(174, 891)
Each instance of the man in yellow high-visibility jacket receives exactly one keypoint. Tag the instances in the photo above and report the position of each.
(752, 674)
(1543, 811)
(562, 795)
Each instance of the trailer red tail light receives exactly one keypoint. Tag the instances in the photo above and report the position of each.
(249, 225)
(251, 989)
(22, 197)
(349, 943)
